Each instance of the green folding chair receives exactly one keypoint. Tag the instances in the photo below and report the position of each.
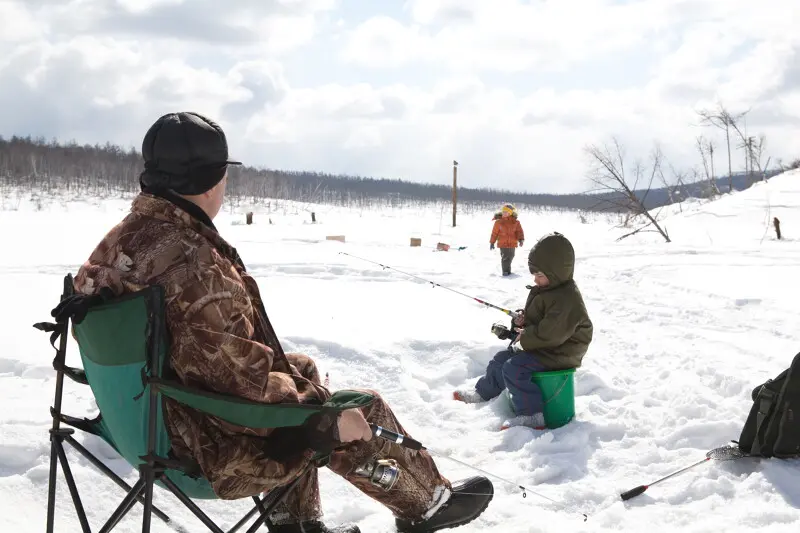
(124, 349)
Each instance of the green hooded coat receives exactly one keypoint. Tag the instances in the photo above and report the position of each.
(557, 327)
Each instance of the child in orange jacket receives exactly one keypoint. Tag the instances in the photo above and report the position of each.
(507, 232)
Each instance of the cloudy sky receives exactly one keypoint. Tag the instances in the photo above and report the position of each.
(512, 89)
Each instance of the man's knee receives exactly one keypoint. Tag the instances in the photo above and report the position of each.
(378, 399)
(376, 407)
(305, 365)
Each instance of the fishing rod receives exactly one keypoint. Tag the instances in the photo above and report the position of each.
(510, 313)
(723, 453)
(408, 442)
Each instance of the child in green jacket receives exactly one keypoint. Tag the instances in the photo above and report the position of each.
(554, 333)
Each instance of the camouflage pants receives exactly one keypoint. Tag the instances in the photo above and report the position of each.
(506, 256)
(409, 498)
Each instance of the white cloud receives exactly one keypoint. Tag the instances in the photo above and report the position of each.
(443, 11)
(383, 41)
(506, 35)
(513, 90)
(17, 24)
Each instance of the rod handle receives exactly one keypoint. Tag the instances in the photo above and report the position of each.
(397, 438)
(633, 492)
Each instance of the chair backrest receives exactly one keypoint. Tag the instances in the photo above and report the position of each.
(115, 341)
(122, 343)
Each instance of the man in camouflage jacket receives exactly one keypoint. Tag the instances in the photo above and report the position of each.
(222, 340)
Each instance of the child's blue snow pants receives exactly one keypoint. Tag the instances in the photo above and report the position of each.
(512, 370)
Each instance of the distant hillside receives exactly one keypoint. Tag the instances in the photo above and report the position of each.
(659, 197)
(39, 165)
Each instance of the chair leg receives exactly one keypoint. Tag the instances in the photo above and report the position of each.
(51, 487)
(124, 512)
(249, 515)
(264, 512)
(58, 456)
(124, 506)
(149, 479)
(113, 476)
(73, 489)
(279, 495)
(174, 489)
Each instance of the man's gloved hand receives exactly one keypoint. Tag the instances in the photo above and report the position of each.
(521, 243)
(491, 246)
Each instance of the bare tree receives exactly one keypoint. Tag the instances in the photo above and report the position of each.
(721, 118)
(706, 149)
(608, 173)
(756, 153)
(676, 186)
(753, 152)
(790, 166)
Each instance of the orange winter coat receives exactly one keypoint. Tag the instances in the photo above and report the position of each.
(507, 232)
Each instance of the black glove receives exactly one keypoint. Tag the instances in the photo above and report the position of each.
(491, 246)
(77, 305)
(320, 432)
(521, 243)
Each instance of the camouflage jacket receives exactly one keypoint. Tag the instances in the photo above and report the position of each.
(221, 338)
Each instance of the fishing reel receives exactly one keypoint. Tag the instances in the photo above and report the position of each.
(502, 332)
(382, 473)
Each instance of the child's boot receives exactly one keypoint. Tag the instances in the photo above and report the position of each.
(535, 421)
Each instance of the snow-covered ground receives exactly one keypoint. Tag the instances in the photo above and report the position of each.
(683, 332)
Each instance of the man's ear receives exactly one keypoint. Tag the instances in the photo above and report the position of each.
(210, 192)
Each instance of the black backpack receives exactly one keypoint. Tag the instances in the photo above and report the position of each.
(772, 428)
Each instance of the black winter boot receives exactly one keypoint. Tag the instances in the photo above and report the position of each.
(470, 497)
(314, 526)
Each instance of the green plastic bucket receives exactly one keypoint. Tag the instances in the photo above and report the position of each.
(558, 395)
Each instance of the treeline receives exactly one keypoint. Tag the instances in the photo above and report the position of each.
(50, 167)
(37, 164)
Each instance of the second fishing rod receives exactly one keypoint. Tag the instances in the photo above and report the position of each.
(510, 313)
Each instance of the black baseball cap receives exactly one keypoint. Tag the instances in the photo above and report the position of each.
(185, 152)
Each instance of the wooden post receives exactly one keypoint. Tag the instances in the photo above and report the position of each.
(455, 187)
(313, 217)
(249, 217)
(777, 224)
